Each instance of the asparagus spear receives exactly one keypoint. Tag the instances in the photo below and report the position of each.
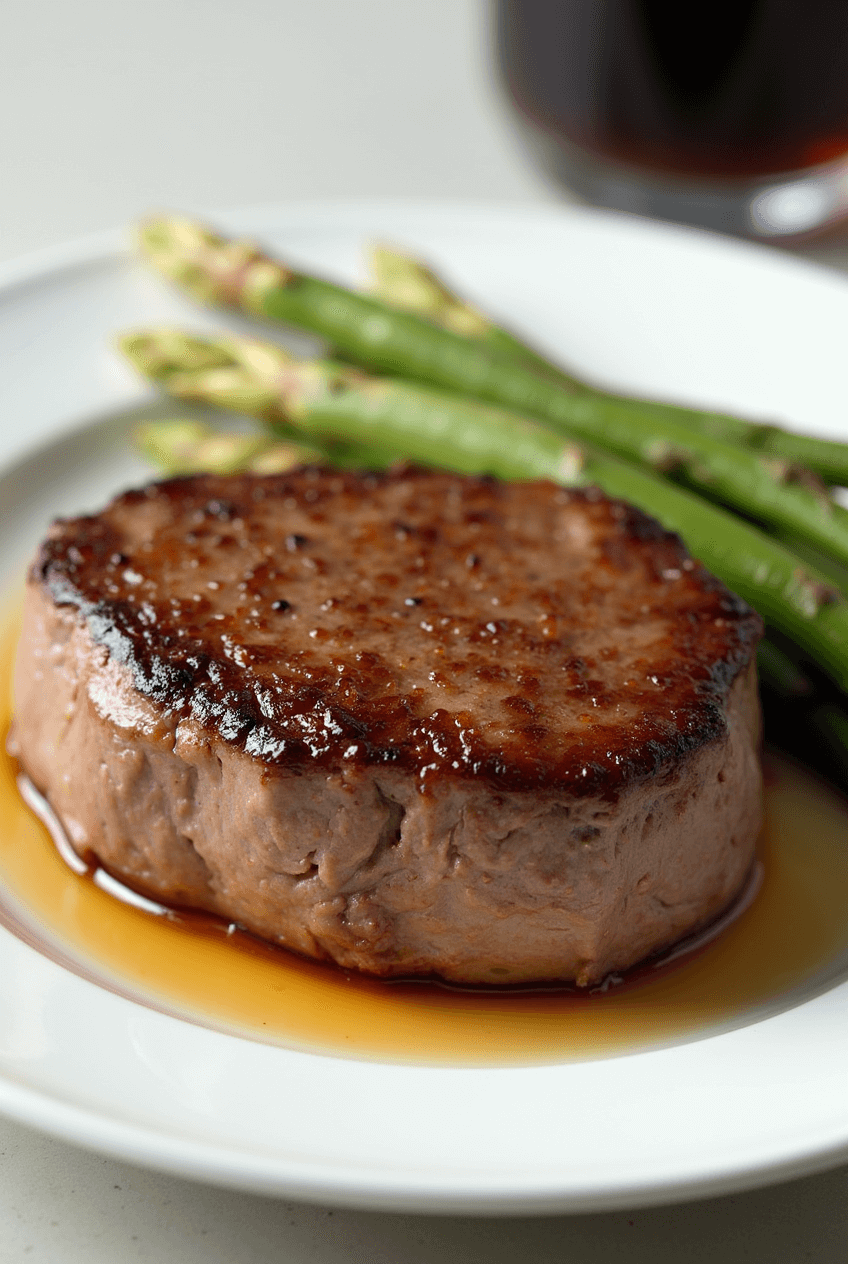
(836, 573)
(331, 401)
(235, 273)
(183, 446)
(186, 446)
(403, 344)
(407, 284)
(385, 340)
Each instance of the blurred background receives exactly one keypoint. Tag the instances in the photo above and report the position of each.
(109, 110)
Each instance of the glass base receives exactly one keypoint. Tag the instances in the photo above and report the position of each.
(791, 205)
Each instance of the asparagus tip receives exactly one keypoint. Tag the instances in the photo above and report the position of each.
(405, 282)
(182, 445)
(157, 353)
(214, 269)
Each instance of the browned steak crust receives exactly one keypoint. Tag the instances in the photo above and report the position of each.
(447, 626)
(422, 639)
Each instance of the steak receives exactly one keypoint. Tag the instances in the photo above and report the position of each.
(413, 723)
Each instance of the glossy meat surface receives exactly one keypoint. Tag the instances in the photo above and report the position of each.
(522, 634)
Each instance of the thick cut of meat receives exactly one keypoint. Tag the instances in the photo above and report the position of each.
(413, 723)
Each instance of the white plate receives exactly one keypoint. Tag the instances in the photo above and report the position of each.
(651, 308)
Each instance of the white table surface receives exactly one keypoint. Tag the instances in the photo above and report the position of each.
(109, 110)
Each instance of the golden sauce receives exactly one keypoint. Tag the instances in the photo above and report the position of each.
(788, 943)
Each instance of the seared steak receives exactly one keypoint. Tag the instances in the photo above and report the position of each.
(413, 723)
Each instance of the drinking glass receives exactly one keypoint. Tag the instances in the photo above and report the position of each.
(731, 115)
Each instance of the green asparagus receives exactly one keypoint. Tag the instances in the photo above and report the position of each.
(237, 273)
(403, 282)
(409, 285)
(173, 446)
(184, 446)
(328, 401)
(404, 344)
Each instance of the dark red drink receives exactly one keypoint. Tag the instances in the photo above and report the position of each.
(730, 91)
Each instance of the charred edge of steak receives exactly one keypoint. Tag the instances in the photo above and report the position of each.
(171, 663)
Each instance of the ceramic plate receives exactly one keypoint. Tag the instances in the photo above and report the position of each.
(652, 309)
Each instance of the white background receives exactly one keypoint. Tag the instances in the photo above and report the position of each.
(109, 110)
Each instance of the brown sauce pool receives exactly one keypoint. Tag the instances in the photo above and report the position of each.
(788, 943)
